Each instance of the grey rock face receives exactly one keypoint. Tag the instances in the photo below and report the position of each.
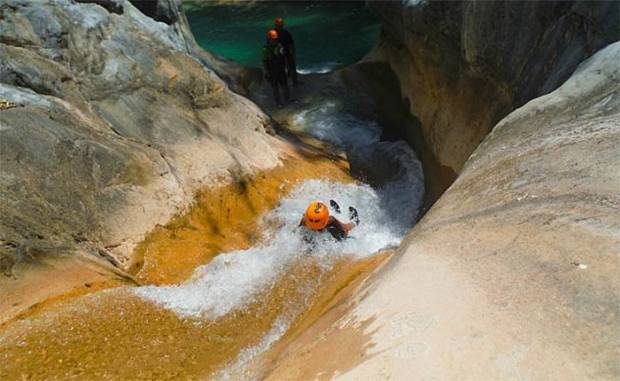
(116, 126)
(113, 6)
(161, 10)
(465, 65)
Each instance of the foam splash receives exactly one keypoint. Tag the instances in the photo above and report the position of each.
(395, 162)
(327, 122)
(231, 281)
(322, 68)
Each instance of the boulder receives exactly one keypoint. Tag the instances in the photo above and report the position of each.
(114, 125)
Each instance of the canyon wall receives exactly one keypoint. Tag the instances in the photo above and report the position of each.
(513, 273)
(112, 121)
(465, 65)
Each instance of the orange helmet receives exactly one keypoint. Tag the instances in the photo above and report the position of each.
(272, 34)
(279, 22)
(317, 216)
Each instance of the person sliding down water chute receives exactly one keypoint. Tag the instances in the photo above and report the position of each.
(274, 64)
(317, 218)
(286, 39)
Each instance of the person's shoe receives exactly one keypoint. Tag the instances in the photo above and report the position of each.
(334, 205)
(353, 215)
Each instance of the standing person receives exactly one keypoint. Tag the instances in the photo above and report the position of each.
(274, 66)
(286, 39)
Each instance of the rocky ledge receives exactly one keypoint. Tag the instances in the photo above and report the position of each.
(115, 120)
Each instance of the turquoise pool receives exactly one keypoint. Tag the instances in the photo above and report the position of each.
(327, 35)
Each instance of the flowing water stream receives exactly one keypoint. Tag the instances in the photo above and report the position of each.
(232, 281)
(239, 304)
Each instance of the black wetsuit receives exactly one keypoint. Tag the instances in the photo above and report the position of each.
(274, 66)
(336, 230)
(286, 39)
(334, 227)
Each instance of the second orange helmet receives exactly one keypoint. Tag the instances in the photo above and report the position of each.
(272, 34)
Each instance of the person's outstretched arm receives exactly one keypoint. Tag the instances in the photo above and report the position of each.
(346, 227)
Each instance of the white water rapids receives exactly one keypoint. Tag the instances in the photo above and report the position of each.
(319, 68)
(233, 280)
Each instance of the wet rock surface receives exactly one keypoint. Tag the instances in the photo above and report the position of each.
(113, 127)
(465, 65)
(512, 273)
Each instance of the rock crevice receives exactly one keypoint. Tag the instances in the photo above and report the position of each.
(464, 66)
